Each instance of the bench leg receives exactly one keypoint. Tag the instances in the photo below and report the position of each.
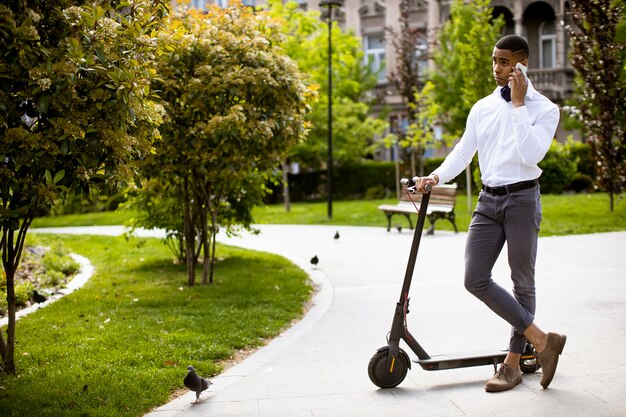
(390, 215)
(452, 219)
(388, 220)
(431, 230)
(408, 217)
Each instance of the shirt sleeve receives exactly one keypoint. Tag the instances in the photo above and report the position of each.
(461, 155)
(533, 139)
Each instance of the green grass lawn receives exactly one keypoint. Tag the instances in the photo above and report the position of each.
(120, 346)
(562, 214)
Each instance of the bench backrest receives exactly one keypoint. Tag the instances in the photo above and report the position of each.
(443, 195)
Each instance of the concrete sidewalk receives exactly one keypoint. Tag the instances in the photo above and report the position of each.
(319, 367)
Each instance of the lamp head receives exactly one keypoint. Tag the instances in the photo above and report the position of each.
(331, 3)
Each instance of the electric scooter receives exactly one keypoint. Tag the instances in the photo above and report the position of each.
(390, 364)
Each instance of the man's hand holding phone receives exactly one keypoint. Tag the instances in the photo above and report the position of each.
(519, 84)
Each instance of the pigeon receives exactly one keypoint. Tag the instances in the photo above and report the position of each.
(196, 383)
(314, 261)
(39, 298)
(399, 228)
(337, 235)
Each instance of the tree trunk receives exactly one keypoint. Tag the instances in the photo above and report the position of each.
(205, 237)
(3, 348)
(213, 241)
(286, 197)
(189, 232)
(213, 229)
(11, 254)
(8, 363)
(420, 155)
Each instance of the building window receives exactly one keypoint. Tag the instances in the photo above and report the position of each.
(547, 45)
(375, 54)
(202, 4)
(421, 54)
(198, 4)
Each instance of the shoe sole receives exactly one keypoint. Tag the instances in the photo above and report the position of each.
(559, 350)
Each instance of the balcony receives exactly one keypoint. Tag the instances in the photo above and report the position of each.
(555, 83)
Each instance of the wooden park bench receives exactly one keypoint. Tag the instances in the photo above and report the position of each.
(441, 206)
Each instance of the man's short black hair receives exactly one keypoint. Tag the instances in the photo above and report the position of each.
(514, 43)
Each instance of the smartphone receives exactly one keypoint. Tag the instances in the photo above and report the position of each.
(522, 68)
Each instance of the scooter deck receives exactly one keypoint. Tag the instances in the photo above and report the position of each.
(462, 360)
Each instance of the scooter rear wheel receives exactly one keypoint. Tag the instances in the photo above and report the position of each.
(380, 375)
(529, 362)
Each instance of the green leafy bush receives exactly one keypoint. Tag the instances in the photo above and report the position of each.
(23, 292)
(376, 192)
(581, 183)
(50, 278)
(58, 259)
(39, 269)
(559, 169)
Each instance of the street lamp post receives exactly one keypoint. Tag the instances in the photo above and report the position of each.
(330, 4)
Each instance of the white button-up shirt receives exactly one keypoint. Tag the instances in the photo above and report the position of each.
(510, 141)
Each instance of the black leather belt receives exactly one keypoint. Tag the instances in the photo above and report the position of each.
(511, 188)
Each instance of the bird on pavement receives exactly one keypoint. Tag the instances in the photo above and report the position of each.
(39, 298)
(337, 235)
(399, 228)
(314, 261)
(196, 383)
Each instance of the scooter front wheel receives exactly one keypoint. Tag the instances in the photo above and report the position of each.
(384, 377)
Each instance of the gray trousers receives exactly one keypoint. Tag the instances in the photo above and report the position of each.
(514, 218)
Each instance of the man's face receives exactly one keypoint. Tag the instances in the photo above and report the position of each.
(503, 62)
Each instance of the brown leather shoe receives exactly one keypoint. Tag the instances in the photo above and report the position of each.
(549, 357)
(504, 379)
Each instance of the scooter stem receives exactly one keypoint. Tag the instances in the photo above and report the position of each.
(398, 327)
(417, 237)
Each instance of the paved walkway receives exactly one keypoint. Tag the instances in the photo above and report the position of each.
(318, 367)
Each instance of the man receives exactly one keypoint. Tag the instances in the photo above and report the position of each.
(511, 129)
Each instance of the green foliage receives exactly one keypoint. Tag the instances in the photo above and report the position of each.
(75, 103)
(76, 108)
(354, 131)
(351, 180)
(410, 48)
(23, 292)
(559, 169)
(50, 278)
(376, 192)
(57, 259)
(463, 60)
(598, 53)
(236, 104)
(48, 269)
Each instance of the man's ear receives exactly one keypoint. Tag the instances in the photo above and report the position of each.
(524, 62)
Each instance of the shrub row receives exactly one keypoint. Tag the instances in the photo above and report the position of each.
(566, 168)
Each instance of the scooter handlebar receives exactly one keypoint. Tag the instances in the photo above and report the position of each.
(411, 185)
